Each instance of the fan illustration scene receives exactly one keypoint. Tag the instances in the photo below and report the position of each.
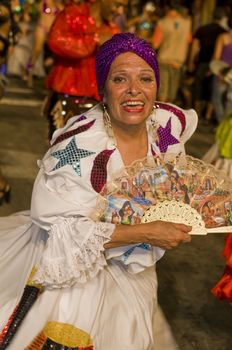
(180, 189)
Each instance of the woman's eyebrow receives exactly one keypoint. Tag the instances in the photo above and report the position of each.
(147, 70)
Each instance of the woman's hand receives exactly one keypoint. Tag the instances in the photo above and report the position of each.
(166, 235)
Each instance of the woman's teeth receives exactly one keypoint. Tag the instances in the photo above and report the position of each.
(133, 103)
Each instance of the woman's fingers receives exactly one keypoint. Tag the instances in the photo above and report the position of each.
(183, 227)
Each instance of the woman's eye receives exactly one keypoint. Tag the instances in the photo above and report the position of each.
(118, 79)
(147, 79)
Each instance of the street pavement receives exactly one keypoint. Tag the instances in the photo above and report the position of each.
(186, 274)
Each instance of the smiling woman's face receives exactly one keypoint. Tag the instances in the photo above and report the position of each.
(130, 90)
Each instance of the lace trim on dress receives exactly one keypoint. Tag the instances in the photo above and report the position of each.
(67, 259)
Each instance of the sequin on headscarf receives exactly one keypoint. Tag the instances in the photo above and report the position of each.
(121, 43)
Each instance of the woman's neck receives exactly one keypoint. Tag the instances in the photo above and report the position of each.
(132, 142)
(130, 133)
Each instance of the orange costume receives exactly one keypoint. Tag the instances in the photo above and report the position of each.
(72, 39)
(223, 289)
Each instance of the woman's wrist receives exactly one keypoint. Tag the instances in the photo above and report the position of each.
(128, 234)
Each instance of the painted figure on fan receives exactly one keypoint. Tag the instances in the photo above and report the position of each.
(126, 213)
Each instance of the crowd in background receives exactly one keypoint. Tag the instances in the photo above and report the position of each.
(56, 41)
(203, 29)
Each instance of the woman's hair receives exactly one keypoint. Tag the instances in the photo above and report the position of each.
(118, 44)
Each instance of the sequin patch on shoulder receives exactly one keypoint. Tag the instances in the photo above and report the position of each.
(73, 132)
(71, 155)
(99, 170)
(165, 137)
(177, 112)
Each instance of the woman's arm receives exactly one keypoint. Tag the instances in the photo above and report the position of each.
(161, 234)
(218, 47)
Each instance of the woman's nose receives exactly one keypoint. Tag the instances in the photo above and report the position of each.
(134, 88)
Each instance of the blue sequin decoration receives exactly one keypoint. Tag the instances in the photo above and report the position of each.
(144, 246)
(71, 155)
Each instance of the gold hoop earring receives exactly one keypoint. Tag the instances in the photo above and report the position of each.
(107, 123)
(153, 125)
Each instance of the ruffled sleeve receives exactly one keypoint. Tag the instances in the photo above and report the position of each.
(62, 201)
(73, 252)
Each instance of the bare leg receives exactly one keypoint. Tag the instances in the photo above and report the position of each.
(39, 40)
(209, 111)
(4, 189)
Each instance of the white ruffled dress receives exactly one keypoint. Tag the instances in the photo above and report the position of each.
(88, 298)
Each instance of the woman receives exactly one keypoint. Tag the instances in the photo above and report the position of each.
(5, 27)
(48, 9)
(222, 88)
(82, 291)
(144, 24)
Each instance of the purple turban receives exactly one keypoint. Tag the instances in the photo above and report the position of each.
(121, 43)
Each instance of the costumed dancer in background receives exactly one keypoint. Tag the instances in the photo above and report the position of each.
(48, 9)
(223, 289)
(222, 83)
(220, 154)
(74, 38)
(223, 160)
(5, 28)
(144, 24)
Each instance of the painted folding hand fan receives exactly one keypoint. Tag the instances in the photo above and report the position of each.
(179, 189)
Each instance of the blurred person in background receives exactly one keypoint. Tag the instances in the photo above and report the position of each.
(144, 24)
(196, 15)
(222, 89)
(223, 158)
(172, 37)
(201, 53)
(74, 38)
(5, 30)
(48, 9)
(120, 15)
(220, 153)
(21, 51)
(102, 12)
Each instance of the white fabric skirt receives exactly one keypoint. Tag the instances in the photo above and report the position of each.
(116, 309)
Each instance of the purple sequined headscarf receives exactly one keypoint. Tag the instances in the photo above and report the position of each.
(121, 43)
